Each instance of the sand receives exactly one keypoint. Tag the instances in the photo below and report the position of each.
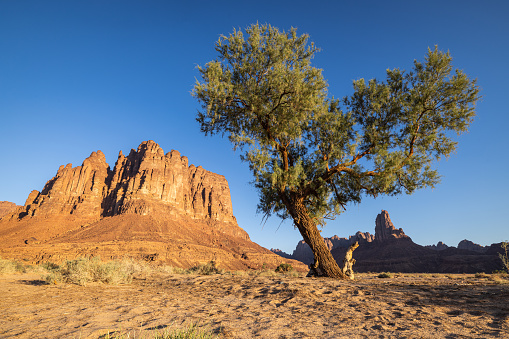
(243, 306)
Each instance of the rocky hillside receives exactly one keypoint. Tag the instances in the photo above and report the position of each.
(390, 249)
(151, 204)
(6, 207)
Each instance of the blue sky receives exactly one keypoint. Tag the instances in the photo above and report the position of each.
(79, 76)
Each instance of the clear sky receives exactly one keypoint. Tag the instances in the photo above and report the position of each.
(79, 76)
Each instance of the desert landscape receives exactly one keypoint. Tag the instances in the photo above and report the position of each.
(243, 305)
(166, 218)
(254, 169)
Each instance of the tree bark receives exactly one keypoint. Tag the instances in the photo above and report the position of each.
(307, 228)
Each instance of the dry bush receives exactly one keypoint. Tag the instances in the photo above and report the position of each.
(192, 331)
(284, 268)
(11, 267)
(83, 270)
(207, 269)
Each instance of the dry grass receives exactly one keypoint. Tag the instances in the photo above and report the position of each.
(83, 270)
(11, 267)
(191, 331)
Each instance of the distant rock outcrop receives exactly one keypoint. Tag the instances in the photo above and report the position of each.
(440, 246)
(150, 201)
(281, 253)
(471, 246)
(390, 249)
(303, 252)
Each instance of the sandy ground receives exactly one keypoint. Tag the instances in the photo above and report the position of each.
(404, 306)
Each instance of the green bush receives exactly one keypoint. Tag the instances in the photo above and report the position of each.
(207, 269)
(284, 268)
(385, 275)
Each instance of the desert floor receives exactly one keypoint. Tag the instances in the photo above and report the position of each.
(244, 306)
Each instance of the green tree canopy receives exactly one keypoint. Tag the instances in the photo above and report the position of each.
(312, 154)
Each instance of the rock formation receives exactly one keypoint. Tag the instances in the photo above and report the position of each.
(471, 246)
(75, 191)
(146, 181)
(6, 207)
(385, 230)
(440, 246)
(391, 250)
(148, 198)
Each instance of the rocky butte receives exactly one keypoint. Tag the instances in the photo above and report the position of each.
(151, 205)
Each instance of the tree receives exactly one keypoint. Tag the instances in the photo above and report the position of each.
(311, 155)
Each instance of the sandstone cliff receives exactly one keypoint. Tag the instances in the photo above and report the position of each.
(151, 204)
(145, 182)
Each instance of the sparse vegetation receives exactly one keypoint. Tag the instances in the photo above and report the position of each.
(385, 275)
(207, 269)
(83, 270)
(284, 268)
(11, 266)
(192, 331)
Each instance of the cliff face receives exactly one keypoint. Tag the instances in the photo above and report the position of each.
(151, 206)
(148, 181)
(75, 191)
(145, 182)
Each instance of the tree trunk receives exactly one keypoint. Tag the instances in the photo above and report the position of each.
(314, 239)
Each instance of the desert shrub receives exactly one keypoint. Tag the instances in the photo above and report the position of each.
(481, 275)
(207, 269)
(384, 275)
(284, 268)
(170, 269)
(11, 266)
(503, 256)
(83, 270)
(189, 332)
(53, 278)
(50, 266)
(192, 331)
